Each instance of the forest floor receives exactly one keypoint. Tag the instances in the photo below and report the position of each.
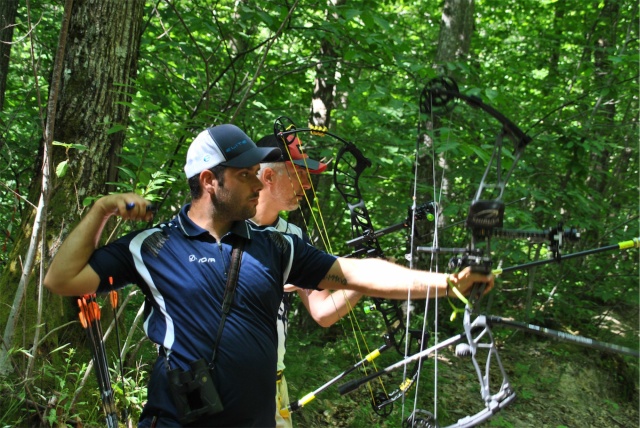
(557, 385)
(563, 386)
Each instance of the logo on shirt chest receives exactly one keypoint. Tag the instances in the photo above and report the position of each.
(193, 258)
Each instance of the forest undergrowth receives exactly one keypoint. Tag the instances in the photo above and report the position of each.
(557, 385)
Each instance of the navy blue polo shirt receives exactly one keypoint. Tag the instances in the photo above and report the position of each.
(182, 270)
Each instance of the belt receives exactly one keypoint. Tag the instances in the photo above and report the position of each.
(279, 375)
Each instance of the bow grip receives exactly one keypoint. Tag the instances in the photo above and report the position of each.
(477, 289)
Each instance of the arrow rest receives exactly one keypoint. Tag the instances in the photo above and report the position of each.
(478, 262)
(475, 259)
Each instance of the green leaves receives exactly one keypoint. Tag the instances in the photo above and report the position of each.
(63, 167)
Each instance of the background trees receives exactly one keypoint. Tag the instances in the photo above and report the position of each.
(139, 79)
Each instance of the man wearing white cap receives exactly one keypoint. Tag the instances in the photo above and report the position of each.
(209, 372)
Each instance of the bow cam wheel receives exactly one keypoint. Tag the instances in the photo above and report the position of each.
(420, 419)
(379, 406)
(437, 93)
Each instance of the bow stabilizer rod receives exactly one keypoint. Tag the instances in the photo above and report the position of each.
(299, 404)
(624, 245)
(567, 337)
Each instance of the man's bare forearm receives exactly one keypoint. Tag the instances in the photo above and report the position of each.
(327, 308)
(379, 278)
(69, 272)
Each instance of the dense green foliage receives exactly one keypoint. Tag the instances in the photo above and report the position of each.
(564, 72)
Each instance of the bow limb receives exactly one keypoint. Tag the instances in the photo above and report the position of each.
(350, 163)
(440, 91)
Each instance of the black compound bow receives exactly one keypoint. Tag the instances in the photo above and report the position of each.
(349, 165)
(484, 221)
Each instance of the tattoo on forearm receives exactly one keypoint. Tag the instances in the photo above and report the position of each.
(336, 278)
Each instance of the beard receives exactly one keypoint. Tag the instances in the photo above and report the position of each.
(233, 208)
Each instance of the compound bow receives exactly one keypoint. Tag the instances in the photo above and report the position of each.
(348, 167)
(484, 221)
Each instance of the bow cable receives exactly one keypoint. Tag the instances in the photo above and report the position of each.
(433, 263)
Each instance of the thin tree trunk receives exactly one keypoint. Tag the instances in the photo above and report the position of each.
(39, 227)
(100, 60)
(454, 42)
(8, 10)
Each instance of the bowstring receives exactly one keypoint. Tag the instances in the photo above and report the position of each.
(414, 197)
(433, 262)
(322, 230)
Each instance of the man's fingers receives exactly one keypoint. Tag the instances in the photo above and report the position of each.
(470, 278)
(148, 208)
(140, 209)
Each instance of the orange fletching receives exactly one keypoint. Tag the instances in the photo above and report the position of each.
(83, 320)
(114, 299)
(94, 311)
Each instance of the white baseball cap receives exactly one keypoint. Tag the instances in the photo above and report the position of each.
(225, 145)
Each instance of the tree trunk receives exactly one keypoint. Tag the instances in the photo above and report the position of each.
(99, 65)
(454, 42)
(8, 9)
(456, 29)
